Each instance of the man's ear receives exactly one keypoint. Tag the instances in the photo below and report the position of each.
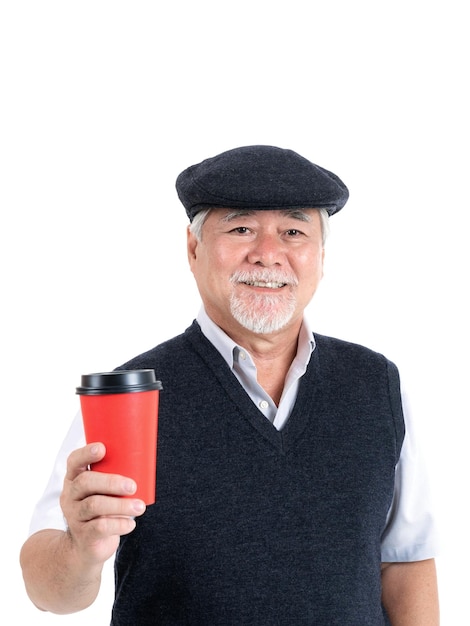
(192, 243)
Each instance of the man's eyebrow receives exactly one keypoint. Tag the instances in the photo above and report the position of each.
(233, 215)
(296, 214)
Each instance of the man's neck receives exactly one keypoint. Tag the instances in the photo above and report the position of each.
(272, 353)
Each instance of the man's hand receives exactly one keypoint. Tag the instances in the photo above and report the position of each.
(96, 518)
(62, 570)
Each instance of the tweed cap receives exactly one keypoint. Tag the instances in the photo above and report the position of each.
(259, 178)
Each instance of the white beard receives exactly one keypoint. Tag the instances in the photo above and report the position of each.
(263, 313)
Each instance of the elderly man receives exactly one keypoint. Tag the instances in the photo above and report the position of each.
(286, 480)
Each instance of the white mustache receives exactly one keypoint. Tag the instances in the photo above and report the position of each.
(265, 276)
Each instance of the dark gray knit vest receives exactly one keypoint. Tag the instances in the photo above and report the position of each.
(258, 527)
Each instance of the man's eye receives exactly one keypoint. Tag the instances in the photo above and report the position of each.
(292, 232)
(240, 229)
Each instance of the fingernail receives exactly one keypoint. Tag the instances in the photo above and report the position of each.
(94, 450)
(130, 486)
(139, 506)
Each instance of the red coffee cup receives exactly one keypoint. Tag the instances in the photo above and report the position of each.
(120, 409)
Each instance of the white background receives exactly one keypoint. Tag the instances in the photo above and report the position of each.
(104, 103)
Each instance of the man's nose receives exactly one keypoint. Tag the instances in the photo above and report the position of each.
(267, 249)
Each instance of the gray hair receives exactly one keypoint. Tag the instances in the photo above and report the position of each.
(199, 219)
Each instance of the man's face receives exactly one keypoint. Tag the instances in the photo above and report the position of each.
(257, 270)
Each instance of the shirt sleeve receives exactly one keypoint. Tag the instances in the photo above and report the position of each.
(410, 533)
(47, 512)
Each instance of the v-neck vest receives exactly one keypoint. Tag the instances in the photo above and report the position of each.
(257, 526)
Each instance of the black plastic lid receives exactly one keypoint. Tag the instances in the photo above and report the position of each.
(119, 381)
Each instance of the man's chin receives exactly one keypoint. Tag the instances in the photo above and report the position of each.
(262, 325)
(262, 314)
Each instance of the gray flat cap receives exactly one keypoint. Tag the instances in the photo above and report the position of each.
(259, 178)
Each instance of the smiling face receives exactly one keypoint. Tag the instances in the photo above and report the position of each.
(257, 270)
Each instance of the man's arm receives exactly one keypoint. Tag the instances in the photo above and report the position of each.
(409, 593)
(54, 579)
(62, 570)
